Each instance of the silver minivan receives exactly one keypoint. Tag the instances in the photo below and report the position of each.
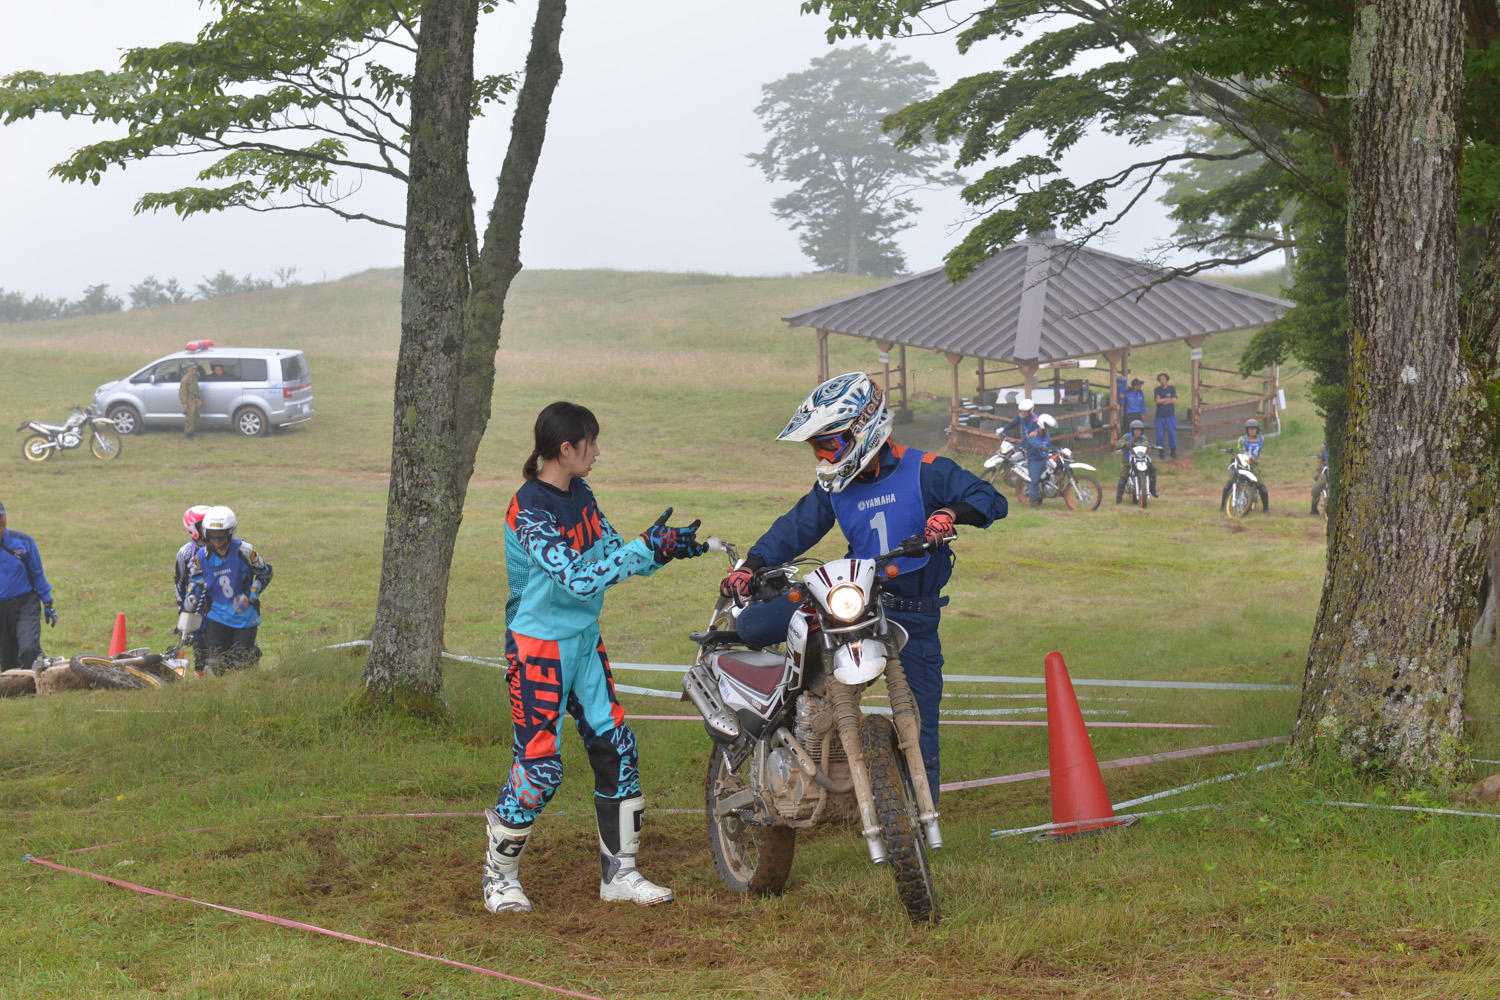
(251, 389)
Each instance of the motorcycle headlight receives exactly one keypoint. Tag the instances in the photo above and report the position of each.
(846, 602)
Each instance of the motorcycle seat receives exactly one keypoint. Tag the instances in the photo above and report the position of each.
(53, 428)
(760, 671)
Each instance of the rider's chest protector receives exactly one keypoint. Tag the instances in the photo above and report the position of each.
(877, 515)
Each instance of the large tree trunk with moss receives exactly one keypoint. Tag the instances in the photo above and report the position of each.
(1384, 686)
(450, 330)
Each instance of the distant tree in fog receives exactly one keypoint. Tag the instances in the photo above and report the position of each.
(853, 182)
(151, 293)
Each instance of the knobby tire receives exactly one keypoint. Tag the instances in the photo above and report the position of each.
(749, 857)
(102, 672)
(896, 811)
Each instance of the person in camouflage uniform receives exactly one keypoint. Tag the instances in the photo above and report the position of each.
(192, 400)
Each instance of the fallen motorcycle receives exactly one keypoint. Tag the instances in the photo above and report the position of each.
(46, 440)
(790, 747)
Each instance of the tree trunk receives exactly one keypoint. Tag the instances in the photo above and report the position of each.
(445, 371)
(1384, 685)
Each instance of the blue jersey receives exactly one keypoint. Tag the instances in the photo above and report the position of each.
(220, 582)
(182, 571)
(942, 483)
(560, 556)
(1251, 446)
(1134, 401)
(21, 568)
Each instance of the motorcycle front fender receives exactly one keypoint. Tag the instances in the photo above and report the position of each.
(1080, 465)
(106, 423)
(1249, 475)
(993, 461)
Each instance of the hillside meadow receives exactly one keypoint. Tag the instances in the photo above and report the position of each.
(256, 792)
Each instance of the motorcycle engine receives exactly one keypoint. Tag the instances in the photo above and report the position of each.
(70, 439)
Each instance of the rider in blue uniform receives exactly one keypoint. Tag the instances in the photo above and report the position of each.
(227, 578)
(192, 520)
(1250, 443)
(878, 494)
(1036, 442)
(25, 596)
(1133, 404)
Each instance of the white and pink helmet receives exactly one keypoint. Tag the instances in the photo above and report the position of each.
(192, 520)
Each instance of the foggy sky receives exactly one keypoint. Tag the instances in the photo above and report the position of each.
(644, 165)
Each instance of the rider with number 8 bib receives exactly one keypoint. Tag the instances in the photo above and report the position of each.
(227, 577)
(879, 494)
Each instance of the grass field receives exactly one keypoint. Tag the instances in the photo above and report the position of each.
(256, 792)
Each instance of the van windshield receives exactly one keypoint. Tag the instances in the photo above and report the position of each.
(294, 368)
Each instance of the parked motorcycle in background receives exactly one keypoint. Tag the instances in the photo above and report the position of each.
(1138, 474)
(790, 747)
(1320, 486)
(1061, 479)
(1244, 485)
(46, 440)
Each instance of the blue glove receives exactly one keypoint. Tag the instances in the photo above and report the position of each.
(51, 613)
(667, 543)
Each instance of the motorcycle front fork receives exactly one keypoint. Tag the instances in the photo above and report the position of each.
(845, 700)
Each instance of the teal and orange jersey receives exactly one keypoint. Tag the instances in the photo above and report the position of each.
(560, 556)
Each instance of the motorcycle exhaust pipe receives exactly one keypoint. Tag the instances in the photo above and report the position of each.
(704, 695)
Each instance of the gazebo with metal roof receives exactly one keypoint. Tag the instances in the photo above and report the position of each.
(1044, 303)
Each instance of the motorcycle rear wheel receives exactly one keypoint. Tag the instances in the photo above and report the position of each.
(896, 810)
(1083, 493)
(35, 448)
(105, 444)
(749, 857)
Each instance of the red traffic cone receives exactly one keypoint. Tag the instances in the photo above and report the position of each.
(117, 641)
(1080, 804)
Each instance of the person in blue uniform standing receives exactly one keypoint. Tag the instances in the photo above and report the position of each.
(227, 577)
(1166, 414)
(561, 555)
(879, 494)
(192, 520)
(1132, 405)
(25, 596)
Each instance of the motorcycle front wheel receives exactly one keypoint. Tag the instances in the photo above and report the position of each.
(36, 448)
(749, 857)
(1083, 493)
(1240, 501)
(1142, 492)
(105, 444)
(896, 811)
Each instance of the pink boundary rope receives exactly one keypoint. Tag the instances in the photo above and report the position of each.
(311, 928)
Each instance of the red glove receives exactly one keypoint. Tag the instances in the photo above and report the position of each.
(736, 584)
(939, 526)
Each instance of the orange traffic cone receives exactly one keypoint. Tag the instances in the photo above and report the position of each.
(117, 641)
(1080, 805)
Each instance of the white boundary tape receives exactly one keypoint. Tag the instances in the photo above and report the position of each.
(956, 678)
(1197, 784)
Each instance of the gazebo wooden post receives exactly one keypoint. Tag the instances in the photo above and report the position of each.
(979, 379)
(905, 374)
(953, 360)
(822, 356)
(1195, 366)
(885, 365)
(1028, 378)
(1116, 372)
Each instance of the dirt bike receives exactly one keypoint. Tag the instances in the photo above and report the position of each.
(1244, 484)
(1004, 463)
(45, 440)
(790, 747)
(1060, 480)
(1138, 474)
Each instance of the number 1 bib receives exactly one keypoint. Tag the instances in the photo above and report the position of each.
(877, 516)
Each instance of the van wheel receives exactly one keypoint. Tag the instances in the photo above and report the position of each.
(251, 422)
(127, 420)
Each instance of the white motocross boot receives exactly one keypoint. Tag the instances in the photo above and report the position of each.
(502, 866)
(619, 842)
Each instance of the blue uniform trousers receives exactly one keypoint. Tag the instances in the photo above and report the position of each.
(764, 623)
(1166, 433)
(1034, 466)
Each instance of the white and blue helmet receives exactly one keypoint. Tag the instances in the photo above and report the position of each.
(846, 421)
